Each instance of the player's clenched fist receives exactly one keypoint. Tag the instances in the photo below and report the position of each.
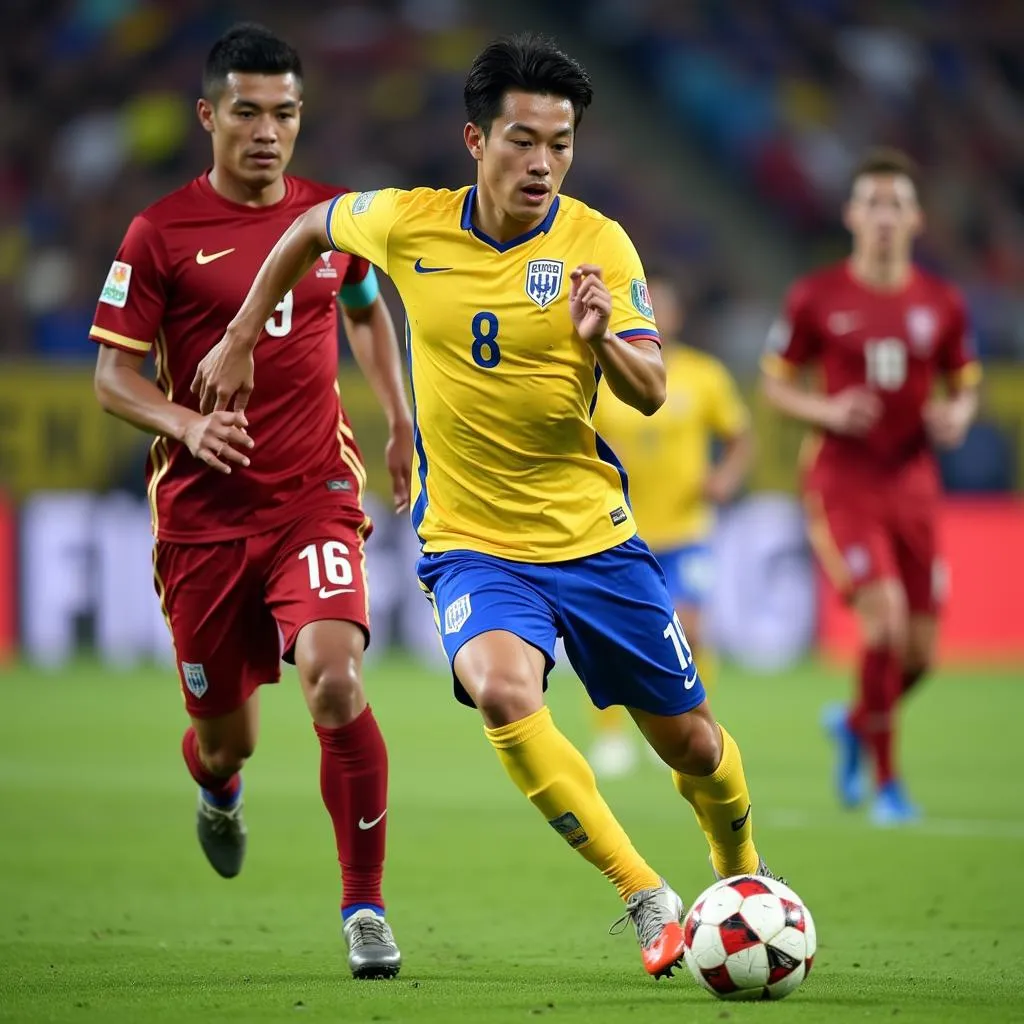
(226, 372)
(854, 411)
(218, 440)
(590, 302)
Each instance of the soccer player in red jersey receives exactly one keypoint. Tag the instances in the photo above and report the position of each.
(880, 330)
(258, 518)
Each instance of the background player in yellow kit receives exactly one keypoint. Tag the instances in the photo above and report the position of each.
(673, 488)
(518, 302)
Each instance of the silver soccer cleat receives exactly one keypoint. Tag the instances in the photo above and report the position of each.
(372, 950)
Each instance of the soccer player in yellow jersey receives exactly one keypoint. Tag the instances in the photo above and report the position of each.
(673, 487)
(518, 301)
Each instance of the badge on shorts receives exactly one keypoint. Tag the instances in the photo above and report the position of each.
(456, 613)
(195, 678)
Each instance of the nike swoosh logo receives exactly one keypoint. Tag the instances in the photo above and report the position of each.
(740, 822)
(420, 269)
(325, 593)
(364, 824)
(202, 259)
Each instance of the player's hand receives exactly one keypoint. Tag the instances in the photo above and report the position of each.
(946, 423)
(226, 372)
(854, 411)
(718, 489)
(219, 440)
(398, 455)
(590, 302)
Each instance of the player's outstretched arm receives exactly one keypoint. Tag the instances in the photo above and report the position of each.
(226, 372)
(634, 370)
(218, 440)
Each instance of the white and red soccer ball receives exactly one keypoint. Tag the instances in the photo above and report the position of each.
(749, 938)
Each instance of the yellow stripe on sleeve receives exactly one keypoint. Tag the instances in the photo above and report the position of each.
(120, 340)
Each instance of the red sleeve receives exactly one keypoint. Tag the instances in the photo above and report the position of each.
(131, 305)
(793, 340)
(955, 353)
(357, 270)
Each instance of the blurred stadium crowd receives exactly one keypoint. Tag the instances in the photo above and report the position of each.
(779, 98)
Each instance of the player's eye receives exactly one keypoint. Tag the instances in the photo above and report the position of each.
(560, 147)
(521, 143)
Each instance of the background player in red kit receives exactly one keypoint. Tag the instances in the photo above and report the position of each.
(880, 330)
(257, 517)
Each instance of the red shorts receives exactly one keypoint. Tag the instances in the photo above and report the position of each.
(864, 534)
(234, 608)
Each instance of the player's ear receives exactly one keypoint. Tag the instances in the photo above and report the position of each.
(848, 215)
(204, 111)
(474, 137)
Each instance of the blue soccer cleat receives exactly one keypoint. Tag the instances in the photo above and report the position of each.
(892, 807)
(849, 781)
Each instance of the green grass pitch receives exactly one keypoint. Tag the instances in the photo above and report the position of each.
(108, 912)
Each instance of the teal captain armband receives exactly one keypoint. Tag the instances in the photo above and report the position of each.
(358, 296)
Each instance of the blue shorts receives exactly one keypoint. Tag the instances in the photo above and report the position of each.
(688, 572)
(612, 610)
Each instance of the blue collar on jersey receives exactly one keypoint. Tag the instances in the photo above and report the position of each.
(467, 225)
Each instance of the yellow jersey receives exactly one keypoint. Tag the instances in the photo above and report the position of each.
(668, 454)
(507, 461)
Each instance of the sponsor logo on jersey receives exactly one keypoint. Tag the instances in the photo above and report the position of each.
(363, 200)
(641, 298)
(195, 678)
(421, 269)
(202, 258)
(339, 485)
(544, 281)
(324, 268)
(844, 322)
(115, 288)
(922, 328)
(456, 614)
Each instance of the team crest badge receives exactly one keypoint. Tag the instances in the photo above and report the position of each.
(922, 327)
(195, 678)
(543, 281)
(456, 614)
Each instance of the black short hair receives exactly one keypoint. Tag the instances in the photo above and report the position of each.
(249, 48)
(886, 160)
(527, 62)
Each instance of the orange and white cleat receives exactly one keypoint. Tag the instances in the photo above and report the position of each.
(657, 916)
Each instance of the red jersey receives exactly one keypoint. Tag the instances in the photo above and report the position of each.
(894, 343)
(182, 272)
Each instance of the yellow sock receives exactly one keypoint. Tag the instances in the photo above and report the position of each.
(707, 665)
(553, 774)
(721, 802)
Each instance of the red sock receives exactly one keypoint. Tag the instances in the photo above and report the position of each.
(910, 679)
(354, 784)
(872, 718)
(222, 790)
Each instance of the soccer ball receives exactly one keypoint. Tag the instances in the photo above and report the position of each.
(749, 937)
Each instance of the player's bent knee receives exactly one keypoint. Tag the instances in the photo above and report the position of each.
(334, 692)
(691, 743)
(504, 697)
(225, 761)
